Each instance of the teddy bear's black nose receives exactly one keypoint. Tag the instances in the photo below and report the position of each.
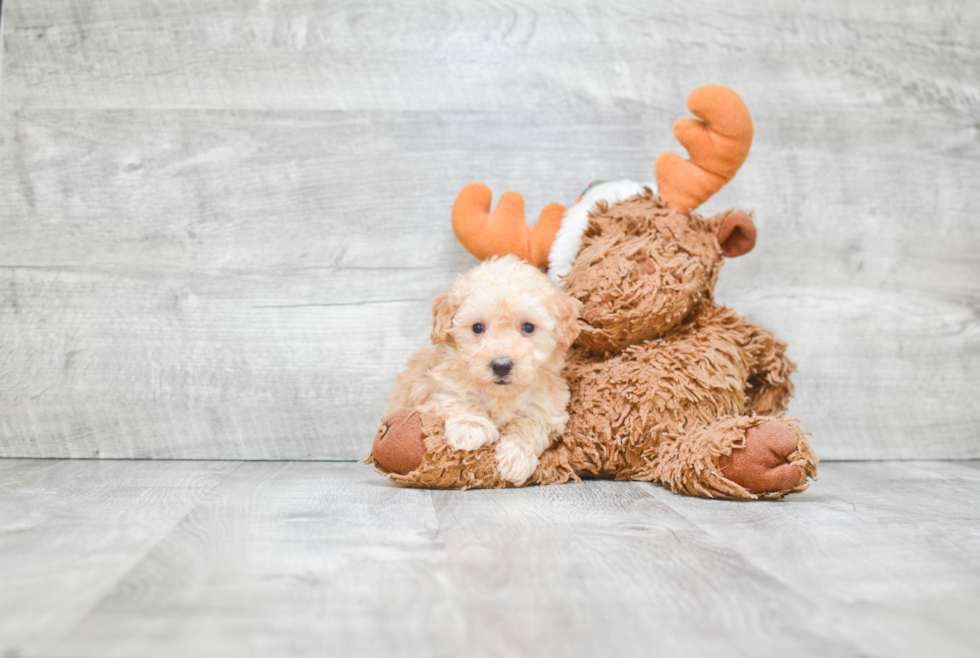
(501, 367)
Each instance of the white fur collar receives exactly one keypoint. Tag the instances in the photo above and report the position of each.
(576, 219)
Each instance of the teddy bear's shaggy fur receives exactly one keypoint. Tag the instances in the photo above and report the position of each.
(666, 385)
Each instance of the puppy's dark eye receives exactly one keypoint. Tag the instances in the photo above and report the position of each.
(528, 328)
(477, 328)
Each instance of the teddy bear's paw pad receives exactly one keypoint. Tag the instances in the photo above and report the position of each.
(400, 442)
(762, 464)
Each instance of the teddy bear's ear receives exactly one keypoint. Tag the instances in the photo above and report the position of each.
(443, 311)
(736, 233)
(569, 311)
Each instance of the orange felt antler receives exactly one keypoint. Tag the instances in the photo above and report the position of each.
(504, 231)
(718, 146)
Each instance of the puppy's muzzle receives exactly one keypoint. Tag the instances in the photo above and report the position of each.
(501, 368)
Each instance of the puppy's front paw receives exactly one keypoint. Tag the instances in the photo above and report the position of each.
(515, 463)
(470, 433)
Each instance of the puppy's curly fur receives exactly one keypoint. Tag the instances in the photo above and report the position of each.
(493, 372)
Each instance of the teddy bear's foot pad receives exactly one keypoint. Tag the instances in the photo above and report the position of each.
(762, 464)
(400, 442)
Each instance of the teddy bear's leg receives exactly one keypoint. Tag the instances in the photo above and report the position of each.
(410, 449)
(736, 457)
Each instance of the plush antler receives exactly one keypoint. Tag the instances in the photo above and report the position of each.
(718, 146)
(504, 231)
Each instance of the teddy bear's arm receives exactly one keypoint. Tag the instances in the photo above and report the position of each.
(768, 387)
(410, 449)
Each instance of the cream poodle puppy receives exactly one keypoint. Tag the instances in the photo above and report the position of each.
(494, 369)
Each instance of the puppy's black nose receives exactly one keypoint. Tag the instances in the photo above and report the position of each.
(501, 367)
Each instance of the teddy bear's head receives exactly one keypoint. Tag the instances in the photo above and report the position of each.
(639, 262)
(642, 268)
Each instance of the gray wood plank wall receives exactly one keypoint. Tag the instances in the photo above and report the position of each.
(223, 221)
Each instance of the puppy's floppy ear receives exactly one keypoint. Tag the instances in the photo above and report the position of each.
(569, 311)
(443, 311)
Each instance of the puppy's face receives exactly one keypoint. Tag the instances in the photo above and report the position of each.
(505, 321)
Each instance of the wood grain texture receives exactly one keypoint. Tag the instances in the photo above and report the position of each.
(223, 243)
(609, 568)
(312, 558)
(891, 591)
(1, 52)
(71, 531)
(287, 558)
(467, 55)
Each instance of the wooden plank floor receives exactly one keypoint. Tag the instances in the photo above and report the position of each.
(107, 558)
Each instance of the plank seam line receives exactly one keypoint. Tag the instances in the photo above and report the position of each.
(328, 305)
(112, 586)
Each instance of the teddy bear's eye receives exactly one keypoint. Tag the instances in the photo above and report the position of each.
(528, 328)
(478, 328)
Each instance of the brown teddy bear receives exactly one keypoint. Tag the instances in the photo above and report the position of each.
(666, 385)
